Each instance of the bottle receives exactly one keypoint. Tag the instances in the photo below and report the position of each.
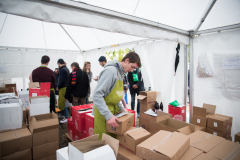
(156, 106)
(149, 89)
(161, 106)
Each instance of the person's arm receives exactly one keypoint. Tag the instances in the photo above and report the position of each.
(63, 78)
(87, 79)
(124, 104)
(69, 86)
(30, 77)
(53, 80)
(90, 77)
(105, 82)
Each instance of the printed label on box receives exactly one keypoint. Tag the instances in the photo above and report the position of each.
(198, 120)
(215, 124)
(182, 111)
(215, 133)
(34, 94)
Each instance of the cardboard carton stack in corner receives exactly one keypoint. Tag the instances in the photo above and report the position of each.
(45, 133)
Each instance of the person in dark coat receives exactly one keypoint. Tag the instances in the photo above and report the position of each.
(77, 85)
(136, 85)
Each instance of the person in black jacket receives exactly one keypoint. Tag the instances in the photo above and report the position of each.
(77, 85)
(136, 85)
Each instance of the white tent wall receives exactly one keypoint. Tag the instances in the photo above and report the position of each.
(223, 89)
(158, 60)
(20, 63)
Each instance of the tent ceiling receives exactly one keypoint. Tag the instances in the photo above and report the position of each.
(183, 14)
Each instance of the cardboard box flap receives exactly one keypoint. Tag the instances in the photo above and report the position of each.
(6, 136)
(210, 108)
(202, 112)
(10, 85)
(160, 114)
(123, 154)
(22, 132)
(185, 130)
(39, 99)
(191, 153)
(112, 142)
(137, 133)
(141, 97)
(91, 138)
(152, 141)
(34, 85)
(171, 144)
(124, 117)
(204, 156)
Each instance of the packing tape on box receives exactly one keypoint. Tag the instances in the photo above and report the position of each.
(198, 141)
(221, 117)
(133, 130)
(162, 142)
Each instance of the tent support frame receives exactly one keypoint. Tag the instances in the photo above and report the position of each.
(219, 29)
(191, 72)
(185, 78)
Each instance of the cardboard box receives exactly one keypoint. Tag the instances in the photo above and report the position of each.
(47, 136)
(172, 125)
(178, 113)
(43, 122)
(7, 95)
(89, 124)
(27, 109)
(9, 88)
(45, 150)
(204, 141)
(235, 155)
(22, 155)
(131, 111)
(164, 145)
(62, 154)
(230, 138)
(145, 107)
(126, 122)
(126, 155)
(24, 115)
(145, 124)
(219, 122)
(11, 116)
(191, 153)
(44, 89)
(224, 150)
(8, 99)
(200, 114)
(151, 116)
(78, 116)
(39, 105)
(14, 141)
(224, 134)
(147, 97)
(134, 136)
(199, 128)
(237, 138)
(107, 152)
(204, 156)
(73, 132)
(52, 157)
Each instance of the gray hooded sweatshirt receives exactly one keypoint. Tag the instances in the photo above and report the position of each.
(106, 82)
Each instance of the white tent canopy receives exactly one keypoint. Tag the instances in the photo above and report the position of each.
(67, 28)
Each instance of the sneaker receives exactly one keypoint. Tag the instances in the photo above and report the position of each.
(138, 115)
(61, 116)
(64, 120)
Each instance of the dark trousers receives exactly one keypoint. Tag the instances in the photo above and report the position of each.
(52, 102)
(133, 102)
(87, 100)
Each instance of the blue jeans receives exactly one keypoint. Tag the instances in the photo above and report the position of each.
(65, 111)
(133, 102)
(87, 100)
(125, 97)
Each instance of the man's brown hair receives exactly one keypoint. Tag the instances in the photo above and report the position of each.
(133, 58)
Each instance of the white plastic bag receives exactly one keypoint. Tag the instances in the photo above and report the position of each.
(204, 69)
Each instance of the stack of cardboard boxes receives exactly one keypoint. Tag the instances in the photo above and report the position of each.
(45, 133)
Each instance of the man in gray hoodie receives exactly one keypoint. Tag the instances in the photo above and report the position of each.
(109, 92)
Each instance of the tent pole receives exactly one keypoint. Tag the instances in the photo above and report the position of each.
(191, 101)
(235, 26)
(205, 14)
(185, 79)
(71, 37)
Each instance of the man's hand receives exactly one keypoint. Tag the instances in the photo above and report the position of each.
(57, 89)
(112, 121)
(65, 99)
(96, 78)
(135, 86)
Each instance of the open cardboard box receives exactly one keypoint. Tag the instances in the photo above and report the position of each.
(14, 141)
(38, 105)
(127, 121)
(164, 145)
(172, 125)
(200, 114)
(224, 150)
(107, 152)
(204, 141)
(147, 97)
(9, 88)
(11, 116)
(134, 136)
